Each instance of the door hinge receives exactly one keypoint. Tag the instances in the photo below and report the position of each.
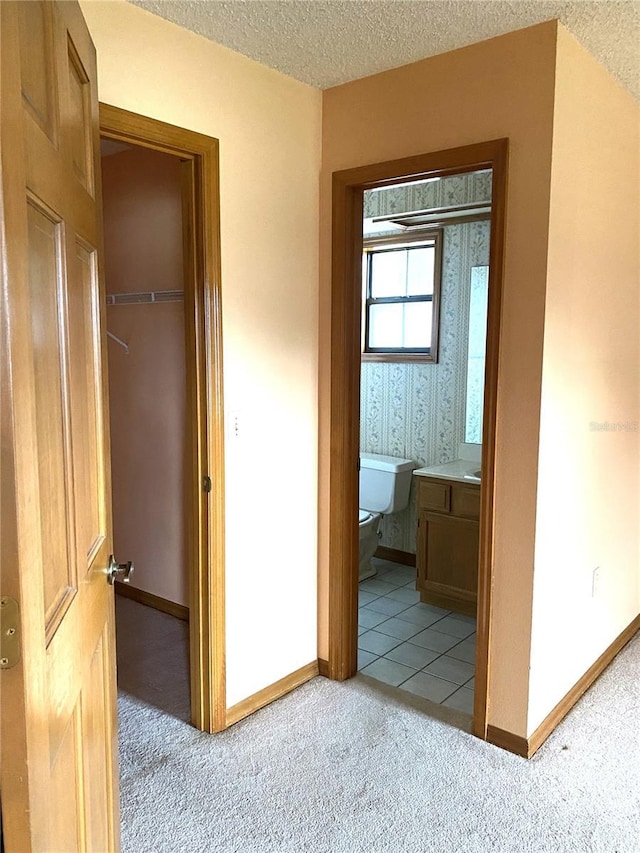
(206, 484)
(9, 632)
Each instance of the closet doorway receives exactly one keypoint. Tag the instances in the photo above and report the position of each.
(162, 283)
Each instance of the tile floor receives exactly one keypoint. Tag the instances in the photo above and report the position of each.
(416, 647)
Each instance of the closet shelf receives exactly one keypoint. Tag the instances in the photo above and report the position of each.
(146, 297)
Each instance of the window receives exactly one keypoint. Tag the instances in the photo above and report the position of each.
(401, 297)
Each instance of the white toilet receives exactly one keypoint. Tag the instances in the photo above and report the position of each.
(385, 482)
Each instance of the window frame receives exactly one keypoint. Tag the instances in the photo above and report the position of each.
(371, 245)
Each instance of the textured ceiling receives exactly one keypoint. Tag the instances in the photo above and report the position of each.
(328, 42)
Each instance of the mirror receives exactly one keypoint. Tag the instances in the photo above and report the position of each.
(477, 340)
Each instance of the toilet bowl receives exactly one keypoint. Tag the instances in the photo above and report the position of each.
(369, 524)
(385, 482)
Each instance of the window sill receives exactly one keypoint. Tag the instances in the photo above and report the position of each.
(400, 357)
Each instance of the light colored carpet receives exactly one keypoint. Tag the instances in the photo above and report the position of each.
(360, 768)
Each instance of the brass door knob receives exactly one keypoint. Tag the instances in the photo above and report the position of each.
(119, 571)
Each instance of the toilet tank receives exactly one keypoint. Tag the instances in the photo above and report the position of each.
(385, 482)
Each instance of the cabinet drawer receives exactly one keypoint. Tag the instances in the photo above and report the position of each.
(465, 501)
(435, 496)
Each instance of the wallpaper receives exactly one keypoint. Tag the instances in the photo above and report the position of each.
(447, 192)
(417, 411)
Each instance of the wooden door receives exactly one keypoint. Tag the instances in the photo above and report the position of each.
(59, 764)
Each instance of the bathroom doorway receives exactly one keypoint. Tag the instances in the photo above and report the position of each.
(348, 322)
(164, 343)
(425, 284)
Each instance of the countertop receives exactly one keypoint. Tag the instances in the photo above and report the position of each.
(461, 470)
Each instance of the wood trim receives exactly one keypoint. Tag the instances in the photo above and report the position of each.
(23, 687)
(437, 164)
(344, 439)
(448, 602)
(348, 188)
(441, 589)
(323, 667)
(203, 330)
(563, 707)
(528, 746)
(274, 691)
(151, 600)
(499, 164)
(406, 558)
(506, 740)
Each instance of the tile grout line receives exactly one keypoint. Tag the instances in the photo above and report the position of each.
(400, 642)
(423, 669)
(422, 628)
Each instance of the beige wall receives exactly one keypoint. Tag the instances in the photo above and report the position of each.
(269, 131)
(499, 88)
(588, 488)
(142, 207)
(270, 134)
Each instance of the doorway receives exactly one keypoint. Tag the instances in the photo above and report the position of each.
(188, 165)
(425, 263)
(144, 272)
(348, 194)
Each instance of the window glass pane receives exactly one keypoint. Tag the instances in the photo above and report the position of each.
(389, 274)
(397, 326)
(420, 271)
(385, 325)
(417, 324)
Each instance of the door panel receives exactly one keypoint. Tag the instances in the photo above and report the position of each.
(45, 280)
(37, 63)
(79, 118)
(94, 753)
(58, 702)
(64, 828)
(86, 411)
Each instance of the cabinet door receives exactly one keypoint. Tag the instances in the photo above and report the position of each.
(448, 556)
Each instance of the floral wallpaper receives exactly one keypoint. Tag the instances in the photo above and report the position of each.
(417, 411)
(446, 192)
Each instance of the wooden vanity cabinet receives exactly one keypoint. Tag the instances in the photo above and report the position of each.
(448, 538)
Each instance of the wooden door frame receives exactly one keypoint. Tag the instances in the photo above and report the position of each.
(347, 208)
(205, 442)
